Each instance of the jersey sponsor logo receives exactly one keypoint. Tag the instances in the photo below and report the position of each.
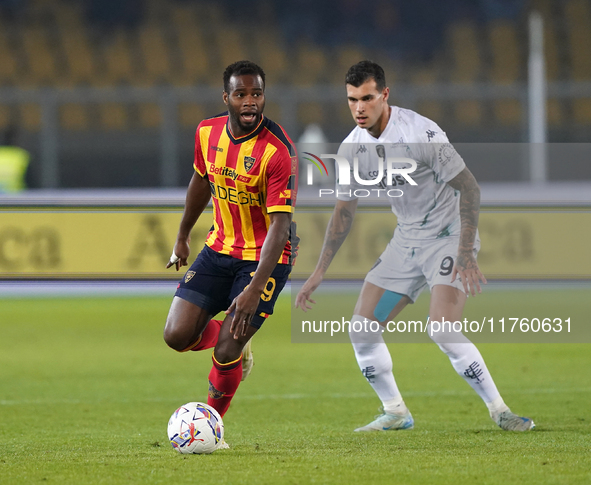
(294, 165)
(217, 149)
(285, 194)
(249, 163)
(446, 153)
(228, 172)
(396, 180)
(430, 134)
(385, 182)
(234, 196)
(189, 276)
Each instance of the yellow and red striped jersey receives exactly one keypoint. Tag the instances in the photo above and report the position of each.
(249, 178)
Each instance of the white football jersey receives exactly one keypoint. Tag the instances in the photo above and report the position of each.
(428, 210)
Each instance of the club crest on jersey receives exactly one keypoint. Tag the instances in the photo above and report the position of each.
(249, 163)
(381, 151)
(189, 275)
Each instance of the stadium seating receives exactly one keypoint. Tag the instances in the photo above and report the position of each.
(505, 69)
(181, 43)
(8, 63)
(466, 68)
(552, 58)
(578, 16)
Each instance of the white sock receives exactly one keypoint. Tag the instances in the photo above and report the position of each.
(469, 364)
(395, 406)
(375, 363)
(497, 406)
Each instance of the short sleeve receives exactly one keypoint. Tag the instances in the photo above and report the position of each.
(199, 162)
(282, 178)
(438, 153)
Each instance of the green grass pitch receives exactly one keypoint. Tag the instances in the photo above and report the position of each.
(87, 386)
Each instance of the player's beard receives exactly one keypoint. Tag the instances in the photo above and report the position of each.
(245, 127)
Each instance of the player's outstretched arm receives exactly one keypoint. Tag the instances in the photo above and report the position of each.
(198, 195)
(336, 233)
(246, 303)
(465, 265)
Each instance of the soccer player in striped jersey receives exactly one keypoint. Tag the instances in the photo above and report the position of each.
(247, 165)
(435, 245)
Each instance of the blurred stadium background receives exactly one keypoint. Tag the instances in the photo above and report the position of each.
(105, 96)
(104, 93)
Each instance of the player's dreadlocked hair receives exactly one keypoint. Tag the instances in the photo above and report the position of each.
(364, 71)
(240, 68)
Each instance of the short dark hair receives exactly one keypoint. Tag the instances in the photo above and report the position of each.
(364, 71)
(241, 68)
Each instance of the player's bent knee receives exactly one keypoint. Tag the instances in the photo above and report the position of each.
(184, 324)
(364, 331)
(174, 339)
(178, 336)
(446, 338)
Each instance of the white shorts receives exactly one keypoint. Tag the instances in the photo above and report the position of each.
(409, 269)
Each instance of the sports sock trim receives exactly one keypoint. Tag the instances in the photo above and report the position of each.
(193, 345)
(229, 365)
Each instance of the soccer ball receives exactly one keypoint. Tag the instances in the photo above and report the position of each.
(195, 428)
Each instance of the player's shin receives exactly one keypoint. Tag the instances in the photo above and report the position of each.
(224, 380)
(375, 363)
(469, 364)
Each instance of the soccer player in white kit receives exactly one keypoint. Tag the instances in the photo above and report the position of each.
(434, 244)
